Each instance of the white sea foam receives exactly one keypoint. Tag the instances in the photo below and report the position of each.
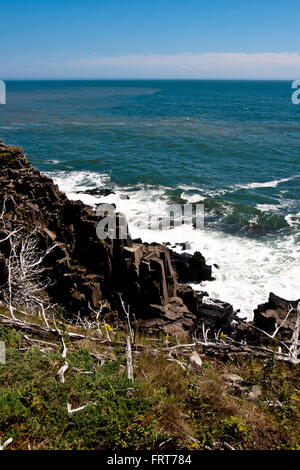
(293, 219)
(268, 207)
(72, 182)
(248, 269)
(267, 184)
(192, 198)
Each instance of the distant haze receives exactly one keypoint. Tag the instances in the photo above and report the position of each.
(149, 39)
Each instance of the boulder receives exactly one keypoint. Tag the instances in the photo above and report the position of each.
(190, 268)
(267, 317)
(190, 297)
(195, 363)
(273, 313)
(173, 318)
(97, 192)
(216, 315)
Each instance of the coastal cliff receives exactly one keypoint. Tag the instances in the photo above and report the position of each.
(85, 271)
(74, 380)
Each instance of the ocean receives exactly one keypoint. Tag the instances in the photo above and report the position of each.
(231, 146)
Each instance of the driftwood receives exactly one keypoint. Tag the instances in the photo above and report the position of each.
(129, 360)
(5, 443)
(40, 330)
(85, 372)
(42, 343)
(74, 410)
(61, 372)
(207, 347)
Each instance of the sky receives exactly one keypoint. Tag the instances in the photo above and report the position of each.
(94, 39)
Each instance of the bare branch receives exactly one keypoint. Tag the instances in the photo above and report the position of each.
(128, 319)
(295, 348)
(61, 372)
(278, 327)
(129, 360)
(5, 443)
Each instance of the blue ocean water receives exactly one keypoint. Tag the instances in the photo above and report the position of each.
(231, 145)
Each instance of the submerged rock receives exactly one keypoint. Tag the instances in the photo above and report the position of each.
(97, 192)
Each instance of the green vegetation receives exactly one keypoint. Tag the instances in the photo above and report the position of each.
(166, 407)
(10, 156)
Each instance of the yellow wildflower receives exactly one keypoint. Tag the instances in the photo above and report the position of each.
(107, 327)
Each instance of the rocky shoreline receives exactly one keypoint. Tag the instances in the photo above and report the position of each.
(150, 278)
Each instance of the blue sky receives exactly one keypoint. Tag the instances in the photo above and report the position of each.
(150, 38)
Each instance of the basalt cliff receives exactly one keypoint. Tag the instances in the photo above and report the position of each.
(85, 271)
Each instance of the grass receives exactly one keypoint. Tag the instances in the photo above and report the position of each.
(168, 408)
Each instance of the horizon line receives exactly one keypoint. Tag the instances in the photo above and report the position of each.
(148, 78)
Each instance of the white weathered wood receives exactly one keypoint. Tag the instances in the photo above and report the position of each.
(6, 443)
(74, 410)
(129, 360)
(131, 332)
(283, 322)
(39, 341)
(61, 372)
(85, 372)
(295, 348)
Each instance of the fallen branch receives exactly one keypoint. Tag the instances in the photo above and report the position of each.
(39, 341)
(33, 328)
(70, 410)
(128, 319)
(61, 372)
(86, 372)
(74, 410)
(228, 446)
(295, 348)
(6, 443)
(129, 360)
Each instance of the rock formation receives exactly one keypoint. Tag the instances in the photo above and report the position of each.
(268, 317)
(191, 268)
(84, 269)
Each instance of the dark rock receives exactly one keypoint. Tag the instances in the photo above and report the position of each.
(190, 297)
(97, 192)
(216, 315)
(173, 318)
(267, 317)
(3, 270)
(190, 268)
(271, 314)
(83, 269)
(184, 246)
